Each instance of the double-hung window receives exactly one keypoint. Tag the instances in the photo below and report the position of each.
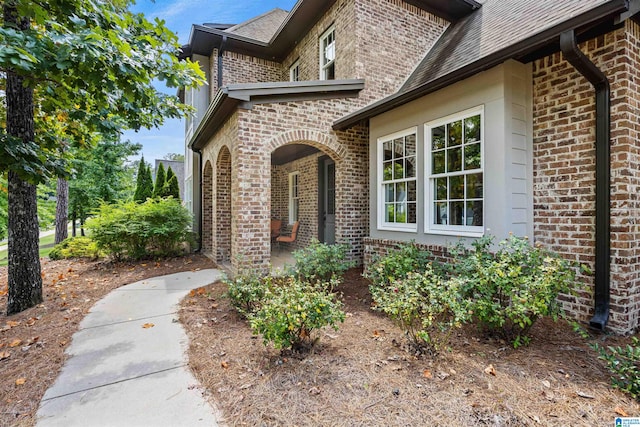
(294, 71)
(294, 198)
(328, 54)
(397, 181)
(455, 176)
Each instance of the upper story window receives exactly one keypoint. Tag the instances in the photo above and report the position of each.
(294, 197)
(397, 181)
(294, 71)
(455, 176)
(328, 54)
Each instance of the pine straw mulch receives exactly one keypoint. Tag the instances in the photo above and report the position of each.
(32, 343)
(362, 376)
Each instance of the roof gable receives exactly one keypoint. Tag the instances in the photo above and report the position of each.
(261, 28)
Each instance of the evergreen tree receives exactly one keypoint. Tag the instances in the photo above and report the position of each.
(144, 182)
(169, 174)
(161, 180)
(173, 189)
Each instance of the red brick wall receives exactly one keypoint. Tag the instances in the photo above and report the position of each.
(207, 209)
(564, 168)
(223, 206)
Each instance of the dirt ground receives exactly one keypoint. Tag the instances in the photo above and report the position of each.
(32, 343)
(362, 376)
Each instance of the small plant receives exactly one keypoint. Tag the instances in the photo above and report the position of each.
(291, 313)
(425, 307)
(624, 365)
(320, 262)
(76, 247)
(514, 286)
(397, 264)
(247, 292)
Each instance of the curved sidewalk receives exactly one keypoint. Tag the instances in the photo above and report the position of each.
(121, 373)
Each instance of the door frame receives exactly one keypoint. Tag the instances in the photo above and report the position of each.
(321, 193)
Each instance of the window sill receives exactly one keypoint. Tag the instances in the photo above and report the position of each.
(455, 233)
(398, 228)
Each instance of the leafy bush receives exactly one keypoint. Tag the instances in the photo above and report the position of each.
(624, 365)
(424, 306)
(320, 262)
(292, 312)
(247, 292)
(397, 264)
(76, 247)
(157, 227)
(514, 286)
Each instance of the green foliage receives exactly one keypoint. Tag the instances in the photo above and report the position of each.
(169, 174)
(291, 313)
(424, 306)
(172, 189)
(46, 194)
(157, 227)
(4, 208)
(247, 292)
(513, 287)
(321, 263)
(76, 247)
(144, 182)
(397, 264)
(624, 365)
(161, 180)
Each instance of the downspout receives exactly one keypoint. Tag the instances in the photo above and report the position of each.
(220, 52)
(199, 153)
(600, 83)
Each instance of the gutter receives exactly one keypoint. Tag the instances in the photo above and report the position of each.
(596, 77)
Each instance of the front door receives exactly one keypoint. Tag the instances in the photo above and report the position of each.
(329, 202)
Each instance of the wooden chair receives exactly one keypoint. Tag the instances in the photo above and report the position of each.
(276, 225)
(291, 237)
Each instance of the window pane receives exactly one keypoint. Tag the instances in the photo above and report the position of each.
(412, 215)
(454, 131)
(398, 148)
(389, 212)
(401, 192)
(472, 129)
(437, 138)
(330, 71)
(410, 145)
(386, 146)
(398, 169)
(409, 164)
(472, 156)
(388, 171)
(454, 159)
(474, 213)
(456, 187)
(411, 191)
(456, 209)
(438, 162)
(389, 193)
(440, 188)
(474, 186)
(401, 213)
(440, 213)
(295, 209)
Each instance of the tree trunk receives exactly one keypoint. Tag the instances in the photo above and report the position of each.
(73, 226)
(82, 226)
(62, 206)
(25, 282)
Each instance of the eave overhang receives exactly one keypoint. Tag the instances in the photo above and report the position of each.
(527, 48)
(451, 10)
(232, 97)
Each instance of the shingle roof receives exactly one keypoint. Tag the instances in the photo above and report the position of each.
(262, 27)
(495, 26)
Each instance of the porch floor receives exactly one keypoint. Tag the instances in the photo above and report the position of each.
(280, 259)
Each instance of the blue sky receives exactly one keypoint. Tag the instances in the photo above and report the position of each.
(179, 15)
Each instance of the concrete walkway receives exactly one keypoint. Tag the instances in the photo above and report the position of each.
(120, 373)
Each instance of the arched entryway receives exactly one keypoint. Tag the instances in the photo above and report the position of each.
(223, 206)
(207, 209)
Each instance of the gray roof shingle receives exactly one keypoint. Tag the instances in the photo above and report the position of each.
(262, 27)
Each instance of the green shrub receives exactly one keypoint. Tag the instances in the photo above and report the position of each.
(291, 313)
(320, 263)
(247, 292)
(397, 264)
(76, 247)
(157, 227)
(511, 288)
(424, 306)
(624, 365)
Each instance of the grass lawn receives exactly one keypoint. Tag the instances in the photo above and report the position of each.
(46, 244)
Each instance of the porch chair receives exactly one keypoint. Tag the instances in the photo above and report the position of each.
(290, 238)
(276, 225)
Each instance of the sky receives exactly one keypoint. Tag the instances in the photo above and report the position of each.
(179, 15)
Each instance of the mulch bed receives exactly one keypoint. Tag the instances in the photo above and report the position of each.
(362, 375)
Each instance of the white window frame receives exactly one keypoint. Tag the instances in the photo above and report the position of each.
(325, 66)
(294, 196)
(452, 230)
(382, 224)
(294, 71)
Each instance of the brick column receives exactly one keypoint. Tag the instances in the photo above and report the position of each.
(207, 209)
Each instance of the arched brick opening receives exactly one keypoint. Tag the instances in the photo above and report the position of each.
(207, 209)
(223, 206)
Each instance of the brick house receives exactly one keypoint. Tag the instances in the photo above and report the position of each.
(374, 122)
